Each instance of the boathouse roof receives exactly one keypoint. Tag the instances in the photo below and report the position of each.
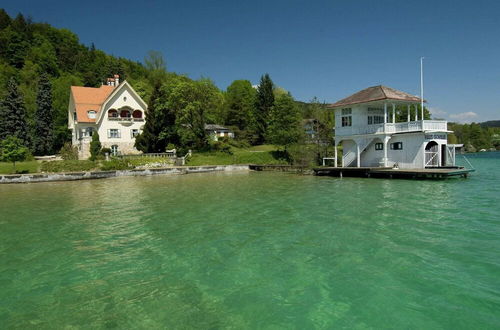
(375, 93)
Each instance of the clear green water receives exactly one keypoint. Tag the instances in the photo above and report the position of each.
(252, 251)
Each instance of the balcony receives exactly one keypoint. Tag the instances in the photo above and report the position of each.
(390, 128)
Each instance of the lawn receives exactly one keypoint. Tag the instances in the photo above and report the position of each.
(31, 166)
(254, 155)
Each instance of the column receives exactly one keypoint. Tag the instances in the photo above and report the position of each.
(409, 110)
(335, 164)
(358, 155)
(416, 112)
(393, 113)
(386, 139)
(385, 113)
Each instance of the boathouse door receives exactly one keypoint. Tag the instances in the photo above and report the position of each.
(432, 154)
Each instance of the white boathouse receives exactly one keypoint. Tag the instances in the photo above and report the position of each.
(367, 129)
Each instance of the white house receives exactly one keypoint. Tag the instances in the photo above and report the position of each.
(113, 110)
(366, 127)
(218, 131)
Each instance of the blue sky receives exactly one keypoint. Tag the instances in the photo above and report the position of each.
(327, 49)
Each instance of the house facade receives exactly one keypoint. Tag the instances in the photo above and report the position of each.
(217, 131)
(366, 128)
(115, 111)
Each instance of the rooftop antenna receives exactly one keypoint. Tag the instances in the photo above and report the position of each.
(422, 86)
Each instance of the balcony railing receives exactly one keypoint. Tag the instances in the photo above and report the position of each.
(125, 119)
(411, 126)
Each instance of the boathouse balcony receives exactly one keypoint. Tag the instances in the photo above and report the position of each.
(390, 128)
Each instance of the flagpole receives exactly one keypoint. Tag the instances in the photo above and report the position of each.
(422, 87)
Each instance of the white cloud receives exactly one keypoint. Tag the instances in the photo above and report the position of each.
(438, 113)
(464, 117)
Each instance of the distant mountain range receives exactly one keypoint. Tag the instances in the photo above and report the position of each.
(490, 123)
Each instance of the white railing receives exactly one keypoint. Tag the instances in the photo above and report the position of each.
(411, 126)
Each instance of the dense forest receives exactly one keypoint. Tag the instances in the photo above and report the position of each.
(39, 63)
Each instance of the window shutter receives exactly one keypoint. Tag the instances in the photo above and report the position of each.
(119, 133)
(109, 133)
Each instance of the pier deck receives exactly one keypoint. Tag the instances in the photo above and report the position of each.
(389, 172)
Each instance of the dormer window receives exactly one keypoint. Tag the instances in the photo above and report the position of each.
(346, 117)
(91, 114)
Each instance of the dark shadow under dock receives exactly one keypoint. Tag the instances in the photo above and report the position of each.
(389, 172)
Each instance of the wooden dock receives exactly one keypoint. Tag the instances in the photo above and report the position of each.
(389, 172)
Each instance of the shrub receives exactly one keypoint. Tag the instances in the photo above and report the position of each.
(95, 147)
(221, 147)
(116, 164)
(69, 152)
(68, 166)
(105, 151)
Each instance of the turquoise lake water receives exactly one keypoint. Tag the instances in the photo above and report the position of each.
(253, 250)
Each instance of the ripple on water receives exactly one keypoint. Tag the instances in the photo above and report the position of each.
(251, 250)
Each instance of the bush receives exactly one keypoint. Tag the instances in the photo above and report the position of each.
(95, 147)
(68, 166)
(116, 164)
(69, 152)
(220, 146)
(105, 151)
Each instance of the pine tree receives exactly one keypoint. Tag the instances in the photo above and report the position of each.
(13, 114)
(159, 129)
(43, 139)
(95, 146)
(265, 101)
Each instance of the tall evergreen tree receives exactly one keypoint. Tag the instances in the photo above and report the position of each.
(264, 103)
(43, 138)
(13, 114)
(159, 129)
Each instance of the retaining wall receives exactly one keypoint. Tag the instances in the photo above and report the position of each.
(72, 176)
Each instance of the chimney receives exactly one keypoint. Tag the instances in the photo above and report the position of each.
(117, 79)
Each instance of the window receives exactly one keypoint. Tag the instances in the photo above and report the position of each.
(125, 114)
(137, 114)
(113, 113)
(114, 150)
(134, 132)
(91, 114)
(346, 117)
(74, 116)
(114, 133)
(375, 116)
(379, 146)
(397, 146)
(87, 132)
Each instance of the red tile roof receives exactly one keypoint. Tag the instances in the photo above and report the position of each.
(375, 93)
(89, 98)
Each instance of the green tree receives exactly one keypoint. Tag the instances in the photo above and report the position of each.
(159, 129)
(13, 114)
(95, 146)
(284, 122)
(13, 150)
(239, 104)
(155, 63)
(264, 103)
(43, 138)
(196, 104)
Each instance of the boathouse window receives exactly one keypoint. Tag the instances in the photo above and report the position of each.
(346, 117)
(375, 116)
(397, 146)
(114, 133)
(379, 146)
